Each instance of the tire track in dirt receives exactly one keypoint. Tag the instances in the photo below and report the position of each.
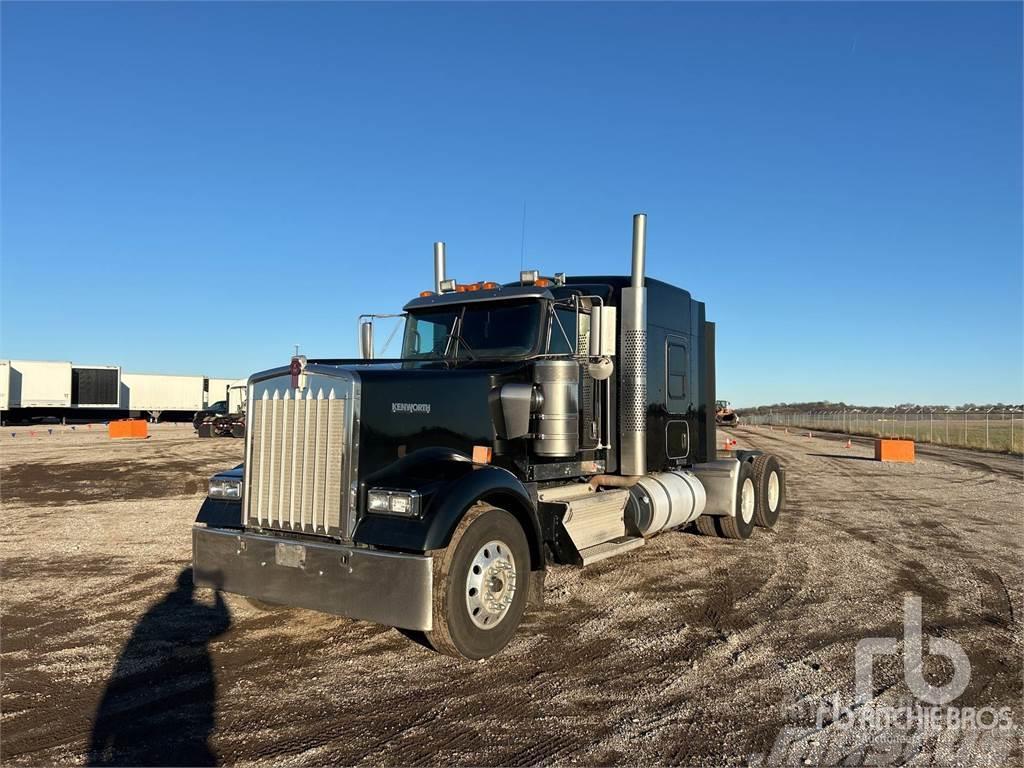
(690, 650)
(951, 551)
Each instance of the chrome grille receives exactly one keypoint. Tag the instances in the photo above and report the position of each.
(298, 458)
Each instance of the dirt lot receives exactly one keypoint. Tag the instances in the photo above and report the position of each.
(691, 650)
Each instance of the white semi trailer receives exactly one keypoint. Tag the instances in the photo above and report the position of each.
(58, 389)
(33, 390)
(35, 384)
(154, 395)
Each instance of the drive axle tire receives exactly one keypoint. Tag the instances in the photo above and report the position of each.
(706, 526)
(741, 525)
(770, 482)
(481, 582)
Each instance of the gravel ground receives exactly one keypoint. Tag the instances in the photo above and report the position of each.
(691, 650)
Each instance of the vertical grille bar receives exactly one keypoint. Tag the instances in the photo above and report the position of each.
(308, 458)
(272, 471)
(296, 480)
(335, 457)
(260, 470)
(314, 476)
(283, 476)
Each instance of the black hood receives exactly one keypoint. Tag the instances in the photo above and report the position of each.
(407, 409)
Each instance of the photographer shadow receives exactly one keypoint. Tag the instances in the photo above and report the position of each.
(160, 701)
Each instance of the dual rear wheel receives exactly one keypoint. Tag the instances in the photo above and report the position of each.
(760, 497)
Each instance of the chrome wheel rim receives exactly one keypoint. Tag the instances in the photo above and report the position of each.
(773, 491)
(490, 584)
(747, 500)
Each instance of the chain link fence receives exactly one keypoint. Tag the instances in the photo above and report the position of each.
(988, 429)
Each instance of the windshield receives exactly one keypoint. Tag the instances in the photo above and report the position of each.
(471, 331)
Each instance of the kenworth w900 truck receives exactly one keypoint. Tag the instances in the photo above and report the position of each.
(553, 420)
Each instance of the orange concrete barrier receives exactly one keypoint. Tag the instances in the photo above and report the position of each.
(894, 450)
(128, 428)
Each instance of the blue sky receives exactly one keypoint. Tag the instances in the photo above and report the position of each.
(197, 187)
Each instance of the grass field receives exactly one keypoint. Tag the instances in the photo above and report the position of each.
(1002, 432)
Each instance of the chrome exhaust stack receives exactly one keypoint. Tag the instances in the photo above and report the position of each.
(439, 266)
(633, 360)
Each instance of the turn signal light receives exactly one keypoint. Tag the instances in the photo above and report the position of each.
(424, 294)
(489, 286)
(542, 282)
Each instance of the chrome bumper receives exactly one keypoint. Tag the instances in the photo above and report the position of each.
(384, 587)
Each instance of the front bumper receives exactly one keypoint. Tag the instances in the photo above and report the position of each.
(372, 585)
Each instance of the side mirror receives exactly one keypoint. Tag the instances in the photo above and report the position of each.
(366, 340)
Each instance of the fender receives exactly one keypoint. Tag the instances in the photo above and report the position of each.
(747, 455)
(449, 484)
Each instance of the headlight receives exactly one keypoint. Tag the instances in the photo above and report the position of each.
(225, 488)
(404, 503)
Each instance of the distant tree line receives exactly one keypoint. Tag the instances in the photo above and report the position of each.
(829, 405)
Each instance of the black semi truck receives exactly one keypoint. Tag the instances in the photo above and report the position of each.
(550, 421)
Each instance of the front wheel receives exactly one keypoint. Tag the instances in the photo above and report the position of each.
(480, 585)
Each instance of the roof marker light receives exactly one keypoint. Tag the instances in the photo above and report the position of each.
(528, 276)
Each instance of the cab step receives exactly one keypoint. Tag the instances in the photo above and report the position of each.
(611, 548)
(589, 518)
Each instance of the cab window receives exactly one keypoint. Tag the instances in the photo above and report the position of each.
(562, 340)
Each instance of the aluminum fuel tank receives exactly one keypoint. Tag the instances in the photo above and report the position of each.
(665, 500)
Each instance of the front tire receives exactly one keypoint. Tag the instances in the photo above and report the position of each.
(481, 582)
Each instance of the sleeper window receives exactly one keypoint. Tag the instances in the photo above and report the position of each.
(676, 365)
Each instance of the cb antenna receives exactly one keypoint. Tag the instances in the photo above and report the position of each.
(522, 240)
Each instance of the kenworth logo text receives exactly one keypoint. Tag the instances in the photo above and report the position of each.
(410, 407)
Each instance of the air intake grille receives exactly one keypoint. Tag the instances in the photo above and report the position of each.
(296, 463)
(586, 391)
(634, 381)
